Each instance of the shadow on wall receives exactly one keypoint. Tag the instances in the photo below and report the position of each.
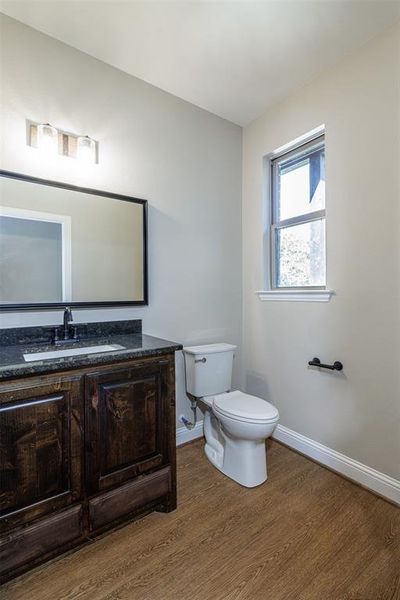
(256, 385)
(182, 400)
(344, 437)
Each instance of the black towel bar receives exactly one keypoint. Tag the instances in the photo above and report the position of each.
(315, 362)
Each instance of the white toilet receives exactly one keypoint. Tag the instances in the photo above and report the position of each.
(236, 424)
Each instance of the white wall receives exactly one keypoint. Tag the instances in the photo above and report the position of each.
(357, 412)
(185, 161)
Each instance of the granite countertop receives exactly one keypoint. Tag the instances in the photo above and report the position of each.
(15, 343)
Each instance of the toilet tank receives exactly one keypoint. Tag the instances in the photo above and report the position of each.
(208, 369)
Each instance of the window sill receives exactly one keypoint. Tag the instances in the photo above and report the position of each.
(295, 295)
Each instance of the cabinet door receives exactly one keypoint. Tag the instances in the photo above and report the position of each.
(40, 447)
(127, 423)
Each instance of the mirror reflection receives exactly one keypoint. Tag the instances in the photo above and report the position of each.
(64, 245)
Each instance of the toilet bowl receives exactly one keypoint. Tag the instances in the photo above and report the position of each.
(236, 424)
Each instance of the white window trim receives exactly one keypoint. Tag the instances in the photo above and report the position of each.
(299, 141)
(295, 295)
(282, 294)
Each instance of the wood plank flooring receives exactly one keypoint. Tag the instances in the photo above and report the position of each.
(307, 534)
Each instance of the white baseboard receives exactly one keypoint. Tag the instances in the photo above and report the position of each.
(184, 435)
(382, 484)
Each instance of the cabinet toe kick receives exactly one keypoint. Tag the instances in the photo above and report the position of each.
(127, 498)
(40, 539)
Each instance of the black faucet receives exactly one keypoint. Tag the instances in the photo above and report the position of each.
(66, 333)
(67, 319)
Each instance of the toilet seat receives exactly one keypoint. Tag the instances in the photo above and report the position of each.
(244, 407)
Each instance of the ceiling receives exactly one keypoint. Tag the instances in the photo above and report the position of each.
(232, 58)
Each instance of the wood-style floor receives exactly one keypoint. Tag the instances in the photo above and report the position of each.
(307, 534)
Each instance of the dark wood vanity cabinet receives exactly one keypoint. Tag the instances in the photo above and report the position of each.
(80, 452)
(128, 422)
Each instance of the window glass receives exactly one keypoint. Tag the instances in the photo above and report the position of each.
(301, 185)
(300, 255)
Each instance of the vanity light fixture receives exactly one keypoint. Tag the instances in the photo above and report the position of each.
(47, 139)
(86, 149)
(52, 141)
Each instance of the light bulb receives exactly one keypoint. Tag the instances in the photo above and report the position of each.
(47, 139)
(86, 149)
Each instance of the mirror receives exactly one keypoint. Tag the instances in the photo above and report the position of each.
(61, 245)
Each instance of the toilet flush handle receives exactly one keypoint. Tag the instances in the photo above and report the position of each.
(203, 360)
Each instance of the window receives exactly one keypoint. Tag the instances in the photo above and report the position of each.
(298, 254)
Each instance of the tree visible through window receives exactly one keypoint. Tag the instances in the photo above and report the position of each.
(298, 217)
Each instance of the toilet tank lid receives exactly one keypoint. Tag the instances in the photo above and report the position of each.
(209, 348)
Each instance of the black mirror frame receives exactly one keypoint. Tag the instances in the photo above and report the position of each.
(62, 305)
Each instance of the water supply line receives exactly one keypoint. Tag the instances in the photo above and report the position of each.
(193, 406)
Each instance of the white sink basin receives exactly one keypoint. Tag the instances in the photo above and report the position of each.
(71, 352)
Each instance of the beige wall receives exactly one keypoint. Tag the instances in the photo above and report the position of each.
(357, 412)
(185, 161)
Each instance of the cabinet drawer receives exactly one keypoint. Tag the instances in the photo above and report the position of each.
(31, 543)
(127, 498)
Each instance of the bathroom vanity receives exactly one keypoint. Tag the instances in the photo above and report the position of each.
(87, 441)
